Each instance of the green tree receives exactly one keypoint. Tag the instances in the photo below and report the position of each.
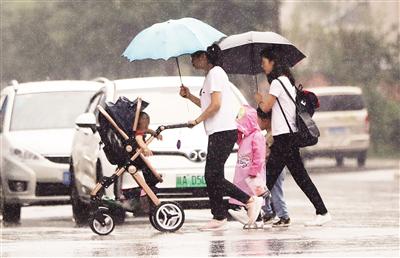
(85, 39)
(361, 57)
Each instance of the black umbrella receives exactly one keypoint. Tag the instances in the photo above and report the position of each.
(241, 52)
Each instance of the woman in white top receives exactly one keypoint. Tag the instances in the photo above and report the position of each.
(283, 151)
(218, 114)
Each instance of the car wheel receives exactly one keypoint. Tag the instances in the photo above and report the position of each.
(119, 215)
(80, 209)
(339, 161)
(361, 158)
(11, 212)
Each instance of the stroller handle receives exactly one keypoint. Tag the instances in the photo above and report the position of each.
(183, 125)
(173, 126)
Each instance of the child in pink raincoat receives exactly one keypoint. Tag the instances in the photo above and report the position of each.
(250, 167)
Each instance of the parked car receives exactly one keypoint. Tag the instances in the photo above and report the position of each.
(344, 125)
(179, 157)
(36, 129)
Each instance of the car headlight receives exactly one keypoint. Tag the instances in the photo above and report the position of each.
(24, 154)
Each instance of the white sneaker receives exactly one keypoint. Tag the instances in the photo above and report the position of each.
(214, 225)
(254, 208)
(239, 215)
(255, 225)
(319, 220)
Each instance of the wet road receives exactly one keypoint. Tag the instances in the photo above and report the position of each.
(364, 204)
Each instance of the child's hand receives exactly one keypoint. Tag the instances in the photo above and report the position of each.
(147, 152)
(267, 153)
(159, 137)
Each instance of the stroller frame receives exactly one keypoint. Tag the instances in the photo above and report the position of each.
(165, 216)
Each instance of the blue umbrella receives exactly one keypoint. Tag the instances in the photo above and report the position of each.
(172, 38)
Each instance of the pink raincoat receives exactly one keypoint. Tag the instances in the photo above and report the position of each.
(251, 153)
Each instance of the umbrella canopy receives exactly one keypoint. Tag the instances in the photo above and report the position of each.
(172, 38)
(241, 52)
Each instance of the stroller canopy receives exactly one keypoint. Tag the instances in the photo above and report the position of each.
(123, 112)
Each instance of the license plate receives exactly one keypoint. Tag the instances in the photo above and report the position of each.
(337, 130)
(67, 178)
(185, 181)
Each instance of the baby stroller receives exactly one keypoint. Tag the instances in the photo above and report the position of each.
(117, 127)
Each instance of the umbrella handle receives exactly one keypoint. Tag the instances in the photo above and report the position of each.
(179, 69)
(255, 78)
(252, 66)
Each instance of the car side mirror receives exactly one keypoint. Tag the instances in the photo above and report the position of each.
(86, 120)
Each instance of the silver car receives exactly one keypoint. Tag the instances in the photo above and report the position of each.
(344, 125)
(37, 121)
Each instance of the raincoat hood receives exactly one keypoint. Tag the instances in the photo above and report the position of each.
(247, 121)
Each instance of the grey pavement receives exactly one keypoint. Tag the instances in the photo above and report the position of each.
(364, 204)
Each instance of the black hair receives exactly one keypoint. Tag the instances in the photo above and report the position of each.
(263, 115)
(280, 65)
(144, 115)
(198, 53)
(213, 54)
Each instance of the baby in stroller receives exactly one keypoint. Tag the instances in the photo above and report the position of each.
(122, 128)
(135, 199)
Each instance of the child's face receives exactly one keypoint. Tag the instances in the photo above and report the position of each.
(144, 122)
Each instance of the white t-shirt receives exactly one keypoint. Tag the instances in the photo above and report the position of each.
(224, 120)
(278, 123)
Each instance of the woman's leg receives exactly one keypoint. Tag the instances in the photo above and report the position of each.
(276, 162)
(303, 180)
(220, 146)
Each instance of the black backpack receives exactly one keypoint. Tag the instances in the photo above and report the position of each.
(307, 131)
(307, 99)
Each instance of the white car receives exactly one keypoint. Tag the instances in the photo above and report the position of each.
(344, 125)
(37, 125)
(179, 157)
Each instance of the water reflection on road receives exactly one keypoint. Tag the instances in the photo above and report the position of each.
(364, 206)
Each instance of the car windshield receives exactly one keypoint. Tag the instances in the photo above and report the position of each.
(340, 103)
(166, 106)
(48, 110)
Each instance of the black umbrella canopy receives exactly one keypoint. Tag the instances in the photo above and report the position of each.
(241, 52)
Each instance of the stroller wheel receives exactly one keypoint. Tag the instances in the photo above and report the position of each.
(101, 222)
(152, 221)
(167, 217)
